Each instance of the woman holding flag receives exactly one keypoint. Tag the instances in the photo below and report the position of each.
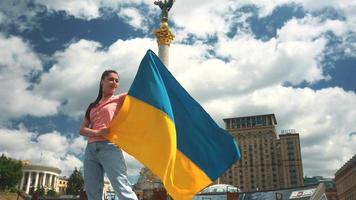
(101, 155)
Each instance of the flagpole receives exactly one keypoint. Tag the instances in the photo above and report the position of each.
(164, 35)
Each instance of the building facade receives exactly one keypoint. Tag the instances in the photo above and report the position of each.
(290, 160)
(38, 176)
(268, 162)
(345, 179)
(62, 185)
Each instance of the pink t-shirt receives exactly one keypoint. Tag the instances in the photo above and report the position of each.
(102, 114)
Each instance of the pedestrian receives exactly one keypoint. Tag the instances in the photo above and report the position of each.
(102, 156)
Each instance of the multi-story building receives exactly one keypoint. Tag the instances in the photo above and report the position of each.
(290, 160)
(345, 179)
(268, 161)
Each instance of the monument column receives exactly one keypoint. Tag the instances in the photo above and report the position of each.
(147, 180)
(164, 38)
(164, 35)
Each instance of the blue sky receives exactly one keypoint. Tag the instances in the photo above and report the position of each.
(295, 59)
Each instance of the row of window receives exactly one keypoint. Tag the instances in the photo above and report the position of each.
(351, 196)
(249, 122)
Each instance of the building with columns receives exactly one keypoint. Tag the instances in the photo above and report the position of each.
(37, 176)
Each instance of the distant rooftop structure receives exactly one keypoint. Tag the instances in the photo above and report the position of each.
(219, 188)
(310, 192)
(250, 121)
(328, 182)
(218, 192)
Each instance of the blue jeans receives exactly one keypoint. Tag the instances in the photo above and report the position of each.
(103, 157)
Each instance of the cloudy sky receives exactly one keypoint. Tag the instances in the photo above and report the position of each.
(295, 59)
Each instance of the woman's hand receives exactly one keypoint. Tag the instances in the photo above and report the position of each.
(103, 132)
(88, 132)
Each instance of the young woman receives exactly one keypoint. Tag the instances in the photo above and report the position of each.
(101, 155)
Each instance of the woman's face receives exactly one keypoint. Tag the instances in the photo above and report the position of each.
(110, 84)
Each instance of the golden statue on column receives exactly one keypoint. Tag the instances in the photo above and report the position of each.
(164, 35)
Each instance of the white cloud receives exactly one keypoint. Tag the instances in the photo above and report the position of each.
(51, 149)
(18, 61)
(201, 18)
(88, 9)
(75, 76)
(17, 12)
(250, 64)
(3, 18)
(77, 147)
(53, 142)
(323, 119)
(242, 75)
(133, 18)
(309, 29)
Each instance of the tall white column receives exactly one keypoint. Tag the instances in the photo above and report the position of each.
(36, 180)
(44, 179)
(28, 182)
(55, 183)
(50, 181)
(22, 180)
(163, 54)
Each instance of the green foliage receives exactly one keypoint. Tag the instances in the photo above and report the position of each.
(13, 190)
(75, 182)
(10, 172)
(41, 191)
(52, 193)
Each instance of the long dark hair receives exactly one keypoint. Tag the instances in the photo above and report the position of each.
(100, 94)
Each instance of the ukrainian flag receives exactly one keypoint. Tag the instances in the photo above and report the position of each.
(163, 127)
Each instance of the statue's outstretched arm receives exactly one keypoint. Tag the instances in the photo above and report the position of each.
(158, 3)
(170, 4)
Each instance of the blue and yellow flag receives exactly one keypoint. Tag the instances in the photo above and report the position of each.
(163, 127)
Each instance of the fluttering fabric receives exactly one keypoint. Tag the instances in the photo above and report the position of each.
(164, 128)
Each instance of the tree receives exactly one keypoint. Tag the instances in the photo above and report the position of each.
(51, 193)
(10, 172)
(75, 182)
(41, 191)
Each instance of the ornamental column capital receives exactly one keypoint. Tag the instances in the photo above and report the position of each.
(164, 35)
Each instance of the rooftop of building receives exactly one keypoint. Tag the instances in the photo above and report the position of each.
(244, 117)
(328, 182)
(347, 166)
(32, 167)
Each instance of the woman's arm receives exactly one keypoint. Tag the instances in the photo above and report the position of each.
(88, 132)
